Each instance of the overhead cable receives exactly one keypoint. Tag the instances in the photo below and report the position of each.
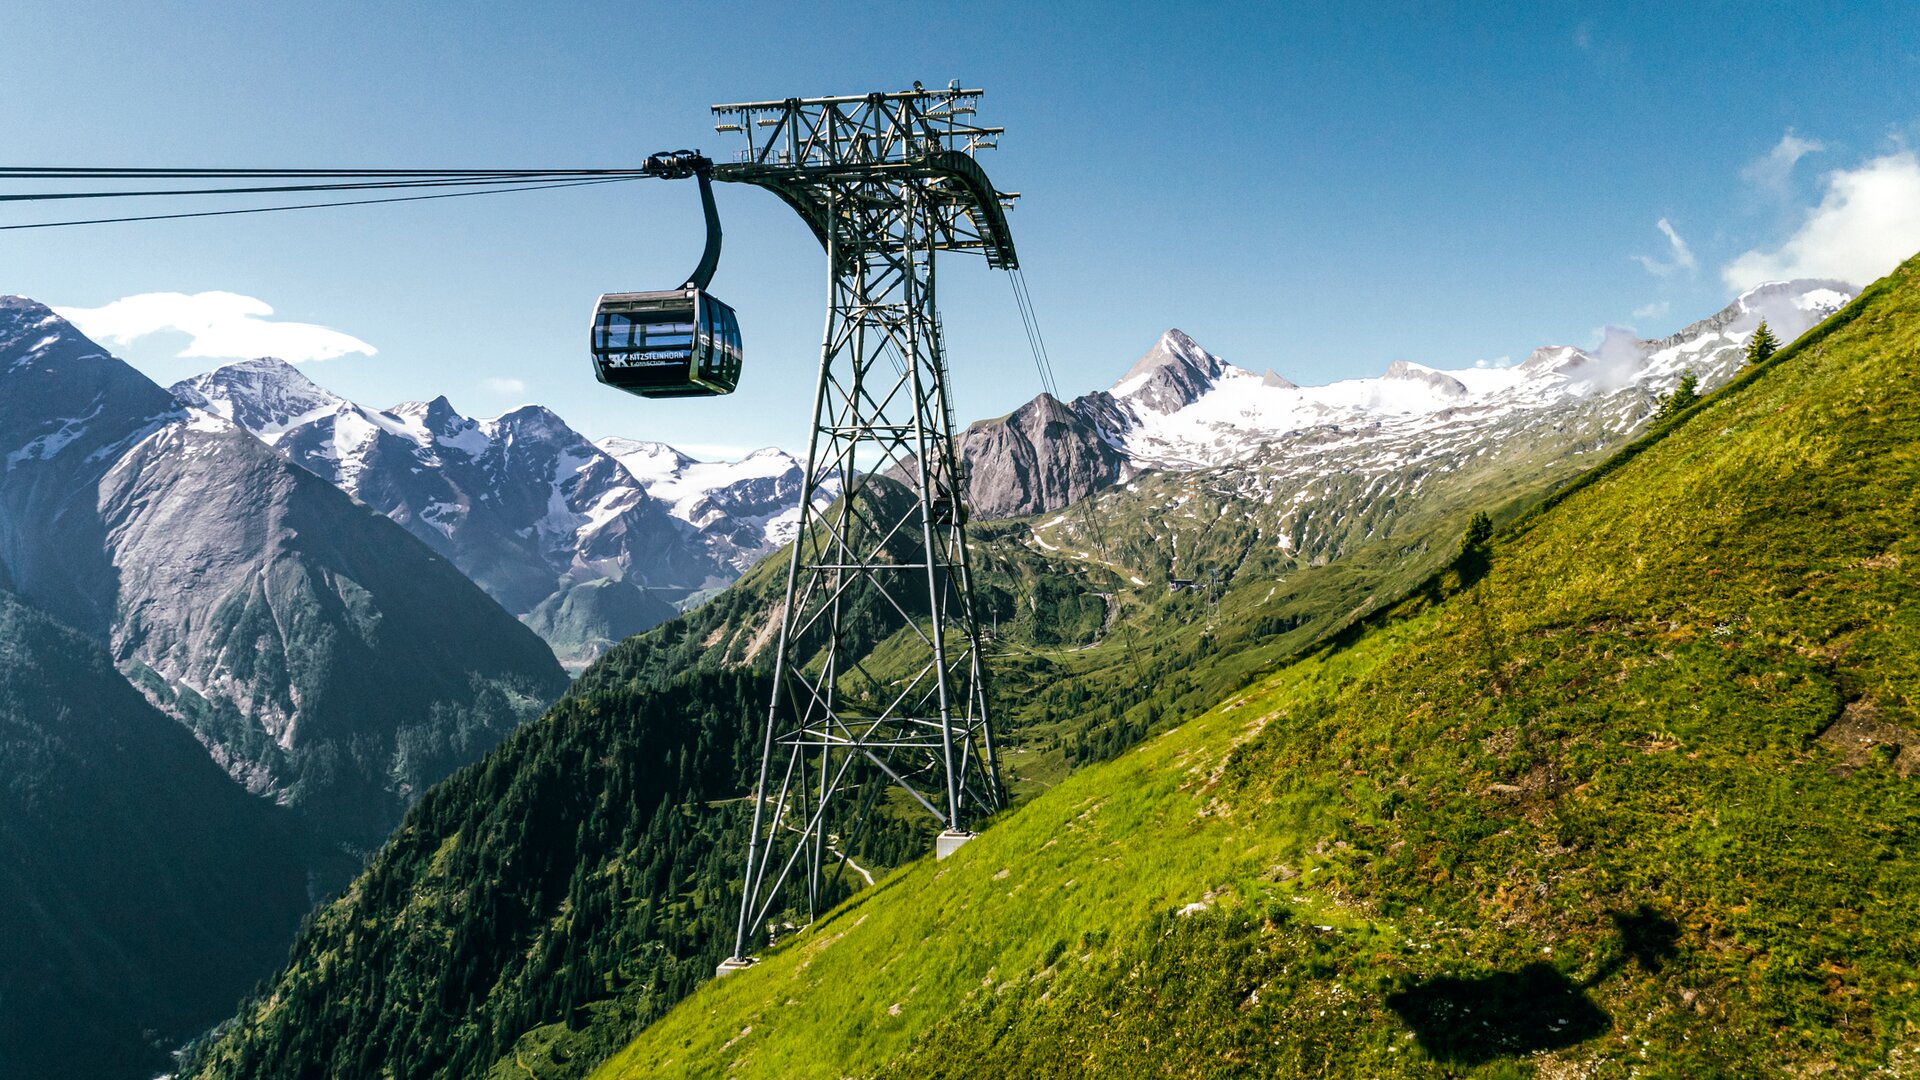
(543, 186)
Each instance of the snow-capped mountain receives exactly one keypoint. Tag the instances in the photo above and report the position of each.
(322, 656)
(1223, 472)
(1182, 409)
(744, 508)
(522, 503)
(525, 505)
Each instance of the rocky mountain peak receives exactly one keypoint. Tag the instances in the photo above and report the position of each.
(266, 395)
(645, 459)
(1438, 380)
(1174, 350)
(771, 454)
(63, 397)
(18, 311)
(441, 416)
(1789, 308)
(1805, 294)
(535, 422)
(1553, 358)
(444, 424)
(1172, 374)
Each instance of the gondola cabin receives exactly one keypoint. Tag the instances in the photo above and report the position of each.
(679, 343)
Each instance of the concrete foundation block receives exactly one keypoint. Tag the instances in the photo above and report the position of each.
(732, 964)
(949, 842)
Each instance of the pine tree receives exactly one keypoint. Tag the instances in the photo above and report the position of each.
(1474, 556)
(1762, 345)
(1685, 393)
(1479, 530)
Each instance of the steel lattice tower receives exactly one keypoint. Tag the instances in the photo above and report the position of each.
(885, 181)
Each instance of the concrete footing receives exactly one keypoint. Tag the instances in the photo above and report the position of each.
(732, 964)
(949, 842)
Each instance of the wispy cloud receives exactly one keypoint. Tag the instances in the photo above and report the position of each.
(1866, 223)
(1653, 310)
(503, 386)
(1771, 172)
(716, 451)
(1679, 255)
(219, 325)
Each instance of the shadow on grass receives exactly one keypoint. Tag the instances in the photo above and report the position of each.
(1473, 1020)
(1646, 937)
(1469, 1021)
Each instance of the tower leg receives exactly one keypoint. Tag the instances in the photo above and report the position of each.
(886, 559)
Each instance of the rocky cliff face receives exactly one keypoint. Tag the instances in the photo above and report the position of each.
(323, 656)
(1043, 455)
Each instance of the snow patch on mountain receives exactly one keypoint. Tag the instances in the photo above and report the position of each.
(747, 507)
(1181, 407)
(523, 504)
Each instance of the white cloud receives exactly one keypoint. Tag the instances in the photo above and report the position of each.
(504, 386)
(1770, 173)
(221, 325)
(715, 451)
(1867, 224)
(1653, 310)
(1496, 362)
(1680, 256)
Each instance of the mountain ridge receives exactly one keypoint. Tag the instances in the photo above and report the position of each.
(523, 504)
(1182, 409)
(299, 636)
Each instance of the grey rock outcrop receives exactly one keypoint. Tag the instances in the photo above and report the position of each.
(1042, 456)
(1440, 381)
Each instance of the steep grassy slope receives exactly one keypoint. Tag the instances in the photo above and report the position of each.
(141, 890)
(1632, 796)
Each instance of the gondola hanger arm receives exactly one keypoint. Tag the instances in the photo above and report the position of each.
(679, 165)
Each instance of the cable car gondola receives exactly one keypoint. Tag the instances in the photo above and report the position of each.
(682, 342)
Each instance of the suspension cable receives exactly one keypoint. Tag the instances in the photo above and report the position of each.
(281, 181)
(39, 172)
(431, 182)
(538, 186)
(1043, 363)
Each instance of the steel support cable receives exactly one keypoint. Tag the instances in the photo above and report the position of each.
(1090, 521)
(36, 172)
(542, 186)
(492, 181)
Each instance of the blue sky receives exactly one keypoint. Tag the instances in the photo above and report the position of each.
(1320, 189)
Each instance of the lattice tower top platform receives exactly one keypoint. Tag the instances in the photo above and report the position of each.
(882, 150)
